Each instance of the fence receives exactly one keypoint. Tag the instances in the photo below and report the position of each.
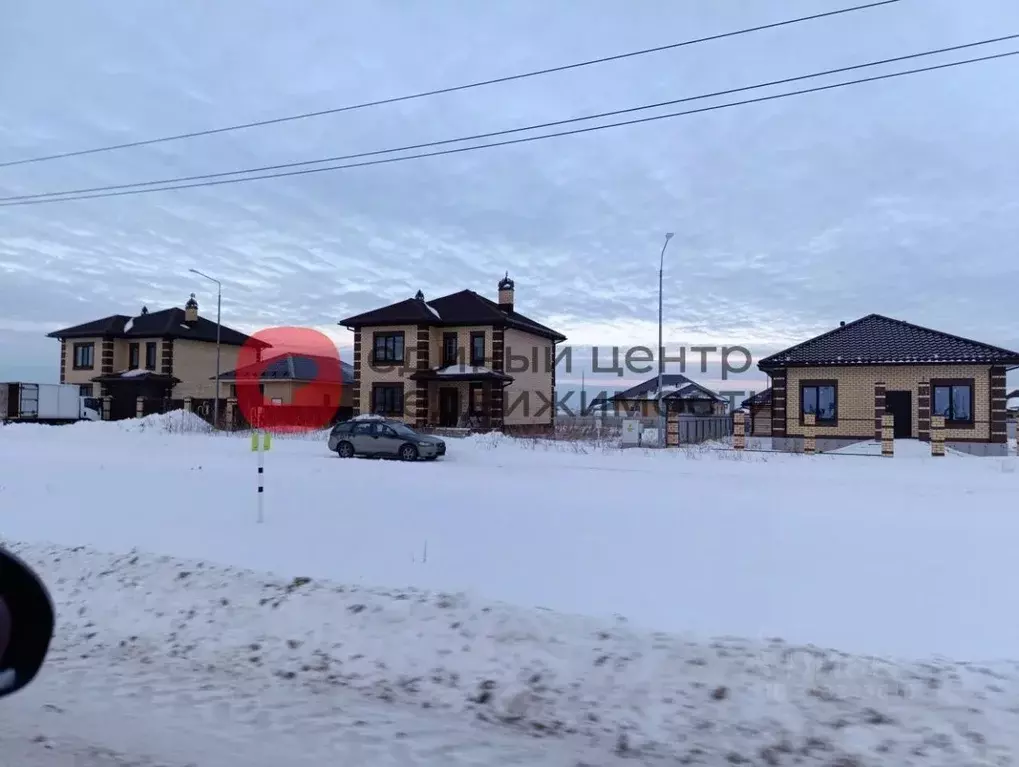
(690, 429)
(684, 429)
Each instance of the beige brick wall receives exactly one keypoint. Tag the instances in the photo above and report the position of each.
(535, 380)
(194, 363)
(371, 376)
(463, 342)
(73, 376)
(856, 396)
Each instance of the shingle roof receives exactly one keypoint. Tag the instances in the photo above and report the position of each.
(761, 398)
(879, 340)
(167, 323)
(291, 367)
(674, 386)
(463, 308)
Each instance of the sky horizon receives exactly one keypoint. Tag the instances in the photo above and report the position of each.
(895, 197)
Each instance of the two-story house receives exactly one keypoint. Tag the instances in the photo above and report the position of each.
(164, 354)
(455, 361)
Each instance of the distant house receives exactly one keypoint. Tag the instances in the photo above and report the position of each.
(164, 354)
(679, 395)
(759, 409)
(850, 376)
(280, 379)
(448, 362)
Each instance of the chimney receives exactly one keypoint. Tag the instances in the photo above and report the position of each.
(191, 310)
(506, 293)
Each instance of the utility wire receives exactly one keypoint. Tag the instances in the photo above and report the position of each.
(494, 134)
(451, 89)
(526, 139)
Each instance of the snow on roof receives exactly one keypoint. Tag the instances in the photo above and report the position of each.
(128, 325)
(368, 417)
(459, 370)
(133, 373)
(433, 310)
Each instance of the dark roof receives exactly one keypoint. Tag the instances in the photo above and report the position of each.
(463, 308)
(461, 373)
(761, 398)
(879, 340)
(1013, 393)
(681, 388)
(290, 367)
(167, 323)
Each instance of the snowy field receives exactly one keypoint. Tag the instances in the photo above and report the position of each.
(435, 613)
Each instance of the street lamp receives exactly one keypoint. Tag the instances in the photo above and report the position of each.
(219, 311)
(661, 354)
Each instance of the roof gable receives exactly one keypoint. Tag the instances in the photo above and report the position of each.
(167, 323)
(674, 386)
(292, 367)
(879, 340)
(464, 307)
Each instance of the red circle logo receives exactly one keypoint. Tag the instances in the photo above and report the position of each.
(289, 379)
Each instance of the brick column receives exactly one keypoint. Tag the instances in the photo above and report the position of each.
(879, 408)
(671, 428)
(887, 435)
(937, 435)
(923, 406)
(187, 404)
(107, 407)
(139, 407)
(421, 388)
(63, 360)
(739, 439)
(809, 433)
(778, 403)
(356, 394)
(999, 415)
(231, 413)
(166, 361)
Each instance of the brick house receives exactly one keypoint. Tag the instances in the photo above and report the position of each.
(446, 362)
(850, 376)
(679, 395)
(155, 355)
(758, 407)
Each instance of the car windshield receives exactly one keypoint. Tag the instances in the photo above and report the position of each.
(403, 430)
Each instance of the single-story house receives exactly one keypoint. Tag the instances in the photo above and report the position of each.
(679, 395)
(850, 376)
(759, 409)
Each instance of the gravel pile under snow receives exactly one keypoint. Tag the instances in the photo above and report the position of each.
(656, 697)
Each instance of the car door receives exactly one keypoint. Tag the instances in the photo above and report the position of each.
(388, 440)
(361, 437)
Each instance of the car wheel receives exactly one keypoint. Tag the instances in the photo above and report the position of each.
(408, 453)
(345, 450)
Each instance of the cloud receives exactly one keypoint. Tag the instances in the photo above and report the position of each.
(896, 197)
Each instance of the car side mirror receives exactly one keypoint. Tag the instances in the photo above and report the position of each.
(26, 623)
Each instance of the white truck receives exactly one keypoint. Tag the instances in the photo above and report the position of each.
(47, 403)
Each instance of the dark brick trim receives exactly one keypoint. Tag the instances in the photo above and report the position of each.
(923, 411)
(998, 405)
(497, 406)
(106, 359)
(779, 381)
(879, 408)
(356, 394)
(63, 361)
(498, 349)
(424, 341)
(166, 362)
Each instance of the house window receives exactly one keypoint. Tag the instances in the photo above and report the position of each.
(450, 346)
(150, 355)
(820, 399)
(85, 390)
(388, 348)
(132, 357)
(387, 399)
(953, 399)
(84, 356)
(478, 349)
(477, 399)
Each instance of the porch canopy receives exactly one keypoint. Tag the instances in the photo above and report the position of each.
(461, 373)
(140, 383)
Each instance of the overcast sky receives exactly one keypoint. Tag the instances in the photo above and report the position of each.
(896, 197)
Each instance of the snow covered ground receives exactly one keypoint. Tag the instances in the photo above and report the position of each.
(379, 639)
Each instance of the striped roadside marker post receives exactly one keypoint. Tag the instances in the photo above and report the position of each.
(261, 441)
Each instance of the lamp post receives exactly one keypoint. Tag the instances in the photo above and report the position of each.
(661, 354)
(219, 325)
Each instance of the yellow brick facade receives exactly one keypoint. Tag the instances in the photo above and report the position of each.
(368, 375)
(534, 385)
(855, 400)
(194, 363)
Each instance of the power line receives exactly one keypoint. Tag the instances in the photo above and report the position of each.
(494, 134)
(451, 89)
(526, 139)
